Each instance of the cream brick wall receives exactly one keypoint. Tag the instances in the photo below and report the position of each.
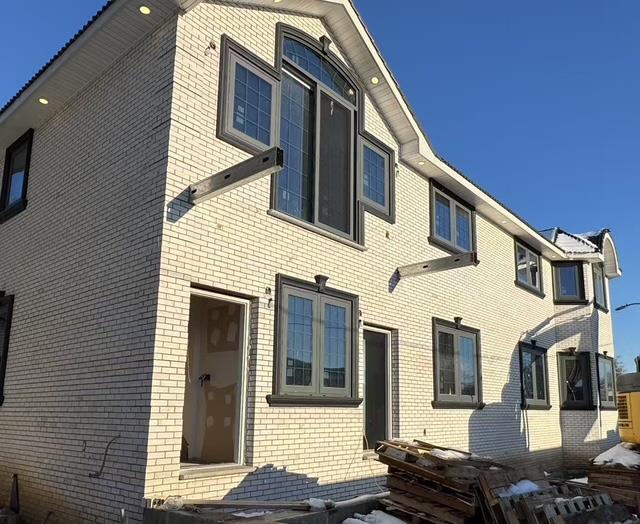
(82, 261)
(231, 243)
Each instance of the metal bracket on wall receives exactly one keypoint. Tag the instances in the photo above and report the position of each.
(439, 264)
(263, 164)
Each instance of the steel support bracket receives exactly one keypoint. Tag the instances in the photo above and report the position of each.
(439, 264)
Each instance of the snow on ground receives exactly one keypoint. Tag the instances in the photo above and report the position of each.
(375, 517)
(581, 480)
(623, 454)
(251, 514)
(522, 487)
(449, 454)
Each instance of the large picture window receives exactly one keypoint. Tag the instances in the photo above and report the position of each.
(574, 373)
(606, 381)
(533, 377)
(316, 344)
(528, 268)
(568, 283)
(13, 189)
(452, 222)
(457, 365)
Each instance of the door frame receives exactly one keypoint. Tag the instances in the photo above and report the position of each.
(240, 458)
(388, 375)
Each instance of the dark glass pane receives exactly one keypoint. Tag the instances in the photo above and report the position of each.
(299, 341)
(374, 176)
(443, 217)
(467, 365)
(295, 181)
(574, 381)
(18, 165)
(252, 105)
(463, 229)
(605, 375)
(567, 276)
(446, 364)
(335, 346)
(534, 269)
(375, 388)
(609, 383)
(319, 67)
(521, 264)
(334, 182)
(598, 277)
(527, 374)
(541, 390)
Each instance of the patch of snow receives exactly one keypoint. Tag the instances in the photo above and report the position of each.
(375, 517)
(361, 498)
(521, 488)
(449, 454)
(623, 454)
(251, 514)
(319, 504)
(581, 480)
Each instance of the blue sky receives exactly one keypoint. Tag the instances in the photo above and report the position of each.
(538, 102)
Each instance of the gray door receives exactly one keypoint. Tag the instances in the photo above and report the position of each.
(376, 407)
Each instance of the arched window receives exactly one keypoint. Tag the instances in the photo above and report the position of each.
(318, 130)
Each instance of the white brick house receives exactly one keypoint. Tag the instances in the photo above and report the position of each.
(153, 347)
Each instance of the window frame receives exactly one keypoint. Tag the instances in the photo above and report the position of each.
(233, 53)
(457, 401)
(8, 302)
(388, 211)
(537, 290)
(578, 299)
(607, 404)
(317, 393)
(599, 267)
(9, 211)
(454, 202)
(535, 403)
(584, 357)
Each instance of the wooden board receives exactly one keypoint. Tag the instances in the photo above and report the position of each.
(434, 509)
(430, 494)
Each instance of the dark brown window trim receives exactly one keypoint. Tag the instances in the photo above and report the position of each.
(536, 291)
(606, 407)
(433, 238)
(536, 407)
(9, 212)
(278, 398)
(437, 403)
(530, 289)
(228, 46)
(376, 210)
(602, 307)
(570, 301)
(530, 403)
(6, 301)
(589, 404)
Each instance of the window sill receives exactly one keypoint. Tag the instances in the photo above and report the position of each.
(608, 408)
(530, 289)
(577, 408)
(570, 302)
(448, 404)
(535, 407)
(375, 210)
(445, 246)
(199, 471)
(601, 308)
(315, 229)
(12, 211)
(291, 400)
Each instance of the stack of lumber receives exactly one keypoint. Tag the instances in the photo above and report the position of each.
(617, 471)
(429, 484)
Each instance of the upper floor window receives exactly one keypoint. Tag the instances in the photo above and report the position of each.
(574, 372)
(248, 98)
(457, 365)
(376, 178)
(317, 342)
(568, 282)
(13, 193)
(606, 381)
(534, 376)
(528, 268)
(599, 286)
(451, 221)
(317, 134)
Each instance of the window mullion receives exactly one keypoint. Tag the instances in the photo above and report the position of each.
(318, 340)
(456, 366)
(454, 210)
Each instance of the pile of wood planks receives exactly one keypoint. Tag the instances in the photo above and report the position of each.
(623, 484)
(429, 484)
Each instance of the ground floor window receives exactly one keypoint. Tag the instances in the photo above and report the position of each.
(457, 364)
(574, 372)
(606, 381)
(533, 376)
(6, 311)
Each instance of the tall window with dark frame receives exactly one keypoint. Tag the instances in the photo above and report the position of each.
(574, 373)
(599, 286)
(452, 221)
(317, 134)
(568, 282)
(528, 268)
(533, 376)
(317, 339)
(13, 191)
(6, 312)
(456, 360)
(606, 381)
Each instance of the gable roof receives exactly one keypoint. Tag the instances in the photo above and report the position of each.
(92, 50)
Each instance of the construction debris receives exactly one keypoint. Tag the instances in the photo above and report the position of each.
(432, 484)
(617, 471)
